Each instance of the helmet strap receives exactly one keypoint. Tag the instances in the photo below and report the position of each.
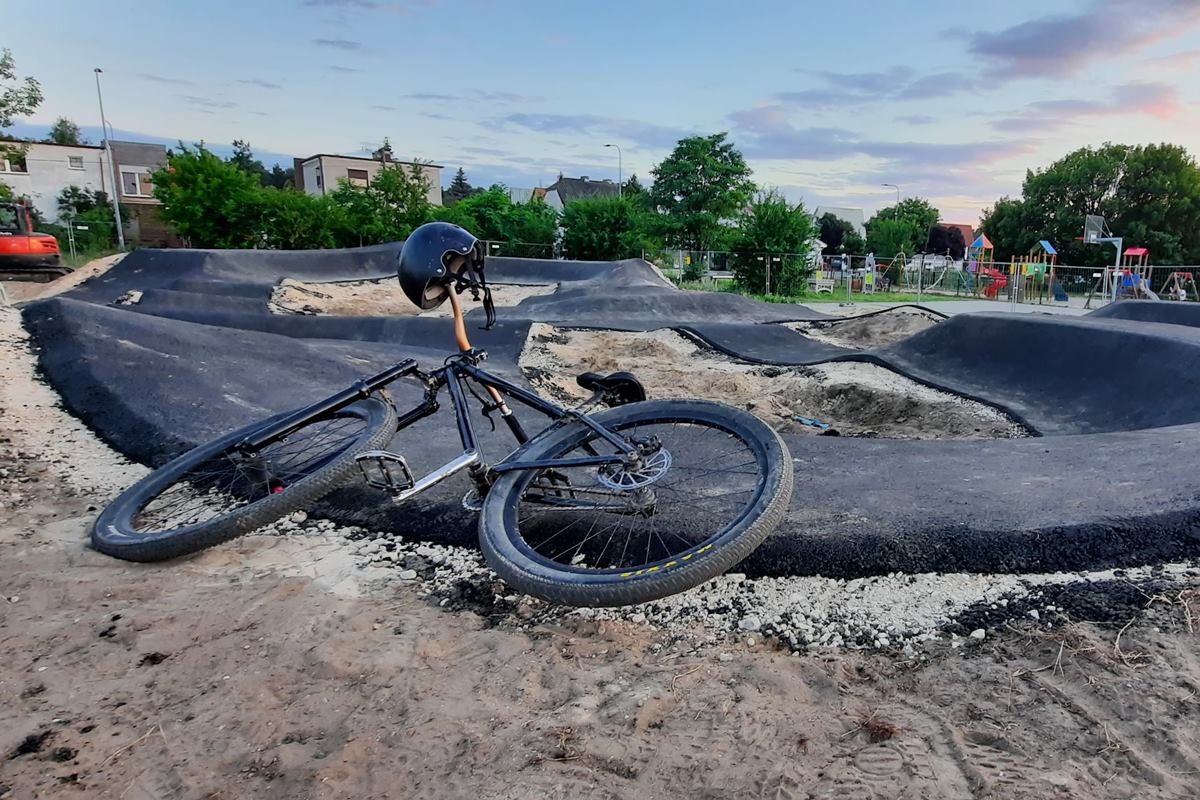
(473, 280)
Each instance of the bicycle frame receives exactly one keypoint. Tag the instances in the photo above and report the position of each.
(460, 367)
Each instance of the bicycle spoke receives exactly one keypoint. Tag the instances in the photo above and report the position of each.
(618, 521)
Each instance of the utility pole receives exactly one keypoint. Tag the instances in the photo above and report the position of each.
(112, 170)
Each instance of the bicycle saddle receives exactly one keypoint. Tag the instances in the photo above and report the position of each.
(620, 387)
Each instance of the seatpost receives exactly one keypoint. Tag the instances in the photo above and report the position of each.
(464, 344)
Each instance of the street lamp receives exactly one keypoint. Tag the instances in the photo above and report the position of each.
(897, 188)
(112, 171)
(619, 176)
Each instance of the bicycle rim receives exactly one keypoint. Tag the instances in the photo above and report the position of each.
(697, 479)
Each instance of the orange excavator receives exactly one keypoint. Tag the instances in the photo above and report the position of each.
(26, 255)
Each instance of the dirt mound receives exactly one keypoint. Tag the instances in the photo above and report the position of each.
(854, 399)
(374, 298)
(871, 330)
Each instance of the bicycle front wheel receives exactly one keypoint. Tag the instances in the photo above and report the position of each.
(214, 493)
(712, 483)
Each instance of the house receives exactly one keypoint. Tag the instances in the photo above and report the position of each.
(567, 190)
(320, 174)
(42, 171)
(852, 215)
(134, 164)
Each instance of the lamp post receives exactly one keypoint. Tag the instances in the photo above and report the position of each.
(897, 188)
(620, 177)
(112, 171)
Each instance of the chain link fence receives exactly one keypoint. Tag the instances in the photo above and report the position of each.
(928, 277)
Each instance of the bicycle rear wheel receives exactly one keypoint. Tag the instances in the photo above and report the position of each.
(713, 482)
(214, 493)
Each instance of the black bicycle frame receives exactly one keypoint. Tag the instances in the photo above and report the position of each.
(451, 376)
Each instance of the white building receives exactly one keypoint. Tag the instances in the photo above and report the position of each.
(321, 174)
(46, 169)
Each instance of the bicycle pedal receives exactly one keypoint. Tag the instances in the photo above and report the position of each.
(384, 470)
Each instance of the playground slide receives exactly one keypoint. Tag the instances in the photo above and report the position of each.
(1146, 289)
(1060, 296)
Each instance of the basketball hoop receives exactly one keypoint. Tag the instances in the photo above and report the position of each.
(1094, 229)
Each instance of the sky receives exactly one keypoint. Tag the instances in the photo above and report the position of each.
(951, 101)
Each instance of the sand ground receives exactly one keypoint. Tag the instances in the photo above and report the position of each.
(274, 667)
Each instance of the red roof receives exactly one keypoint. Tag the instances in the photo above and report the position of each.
(1136, 251)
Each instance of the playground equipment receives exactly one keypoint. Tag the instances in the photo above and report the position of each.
(979, 253)
(1032, 273)
(1180, 286)
(1133, 279)
(991, 282)
(1129, 276)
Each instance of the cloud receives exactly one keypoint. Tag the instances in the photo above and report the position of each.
(474, 95)
(1061, 45)
(384, 108)
(260, 83)
(917, 119)
(432, 97)
(371, 5)
(767, 133)
(340, 68)
(1158, 100)
(208, 102)
(843, 89)
(1174, 61)
(643, 133)
(347, 45)
(163, 79)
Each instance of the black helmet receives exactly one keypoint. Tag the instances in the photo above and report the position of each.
(435, 256)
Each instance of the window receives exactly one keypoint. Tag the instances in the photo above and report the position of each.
(75, 162)
(14, 162)
(136, 184)
(357, 177)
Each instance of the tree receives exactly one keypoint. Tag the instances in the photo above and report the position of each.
(946, 240)
(280, 178)
(300, 221)
(839, 236)
(459, 189)
(64, 131)
(632, 187)
(1148, 194)
(395, 202)
(243, 158)
(606, 229)
(91, 214)
(208, 201)
(19, 97)
(773, 228)
(493, 216)
(890, 236)
(701, 185)
(920, 216)
(1006, 227)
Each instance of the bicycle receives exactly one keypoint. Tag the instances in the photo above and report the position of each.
(604, 508)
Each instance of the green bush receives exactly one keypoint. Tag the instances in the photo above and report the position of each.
(773, 229)
(607, 229)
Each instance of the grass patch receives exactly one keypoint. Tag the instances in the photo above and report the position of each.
(838, 296)
(82, 258)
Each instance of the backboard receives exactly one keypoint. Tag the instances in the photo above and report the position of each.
(1094, 229)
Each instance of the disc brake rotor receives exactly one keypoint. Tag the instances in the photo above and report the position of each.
(622, 478)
